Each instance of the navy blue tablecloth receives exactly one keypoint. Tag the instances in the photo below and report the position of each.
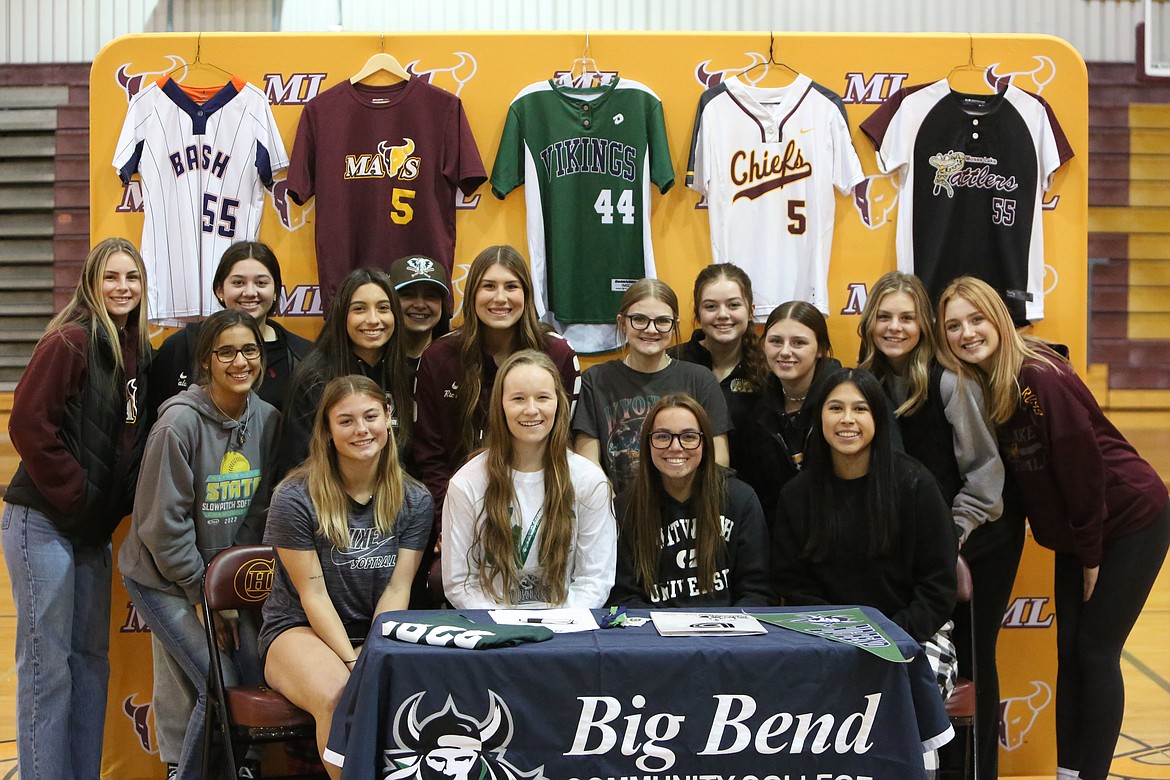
(625, 703)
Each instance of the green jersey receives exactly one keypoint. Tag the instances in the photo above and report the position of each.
(588, 156)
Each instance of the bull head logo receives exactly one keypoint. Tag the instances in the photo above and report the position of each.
(132, 83)
(139, 715)
(395, 157)
(1018, 714)
(1034, 80)
(460, 73)
(292, 216)
(875, 199)
(709, 77)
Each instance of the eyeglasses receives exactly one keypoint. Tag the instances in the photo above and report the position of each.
(228, 354)
(663, 324)
(688, 440)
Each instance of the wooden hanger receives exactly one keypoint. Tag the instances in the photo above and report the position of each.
(381, 69)
(198, 63)
(969, 66)
(770, 61)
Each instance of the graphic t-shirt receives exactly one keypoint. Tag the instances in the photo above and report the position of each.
(615, 398)
(384, 164)
(355, 576)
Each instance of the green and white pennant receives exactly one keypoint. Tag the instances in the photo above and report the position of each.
(849, 626)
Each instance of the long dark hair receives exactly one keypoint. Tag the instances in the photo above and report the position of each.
(642, 519)
(250, 250)
(209, 333)
(807, 315)
(825, 524)
(749, 344)
(332, 354)
(528, 333)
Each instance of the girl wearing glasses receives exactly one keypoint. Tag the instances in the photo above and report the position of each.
(75, 422)
(528, 522)
(797, 352)
(1088, 495)
(691, 534)
(247, 279)
(616, 395)
(203, 487)
(360, 337)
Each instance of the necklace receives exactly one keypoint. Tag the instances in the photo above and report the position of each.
(795, 400)
(666, 363)
(241, 423)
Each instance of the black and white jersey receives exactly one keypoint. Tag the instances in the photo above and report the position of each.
(973, 170)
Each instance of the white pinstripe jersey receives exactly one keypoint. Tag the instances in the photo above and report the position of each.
(203, 155)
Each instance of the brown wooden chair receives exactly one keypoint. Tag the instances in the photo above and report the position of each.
(240, 578)
(961, 703)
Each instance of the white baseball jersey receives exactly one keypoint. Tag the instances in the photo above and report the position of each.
(972, 170)
(767, 160)
(203, 155)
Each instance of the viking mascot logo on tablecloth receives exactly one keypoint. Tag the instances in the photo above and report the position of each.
(449, 745)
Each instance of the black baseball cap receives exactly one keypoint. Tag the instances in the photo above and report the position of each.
(418, 268)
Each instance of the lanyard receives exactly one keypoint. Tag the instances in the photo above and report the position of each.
(525, 546)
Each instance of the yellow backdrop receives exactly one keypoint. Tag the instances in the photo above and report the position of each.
(486, 70)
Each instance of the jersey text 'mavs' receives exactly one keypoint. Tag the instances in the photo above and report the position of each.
(198, 158)
(590, 155)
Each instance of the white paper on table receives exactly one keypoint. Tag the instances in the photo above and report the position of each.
(560, 621)
(712, 623)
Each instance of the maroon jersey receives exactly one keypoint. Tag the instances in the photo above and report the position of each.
(383, 164)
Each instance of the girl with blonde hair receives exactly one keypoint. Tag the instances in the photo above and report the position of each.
(945, 428)
(76, 425)
(1088, 495)
(350, 500)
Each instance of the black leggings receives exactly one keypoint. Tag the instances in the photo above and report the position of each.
(993, 556)
(1090, 695)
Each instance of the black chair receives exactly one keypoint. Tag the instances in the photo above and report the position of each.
(240, 578)
(961, 703)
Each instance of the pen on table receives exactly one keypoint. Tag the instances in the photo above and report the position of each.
(550, 621)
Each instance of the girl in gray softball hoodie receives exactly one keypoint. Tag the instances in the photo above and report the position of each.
(203, 487)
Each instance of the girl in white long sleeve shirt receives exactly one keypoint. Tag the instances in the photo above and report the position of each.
(527, 522)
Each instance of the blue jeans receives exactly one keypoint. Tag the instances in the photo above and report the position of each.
(173, 622)
(62, 595)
